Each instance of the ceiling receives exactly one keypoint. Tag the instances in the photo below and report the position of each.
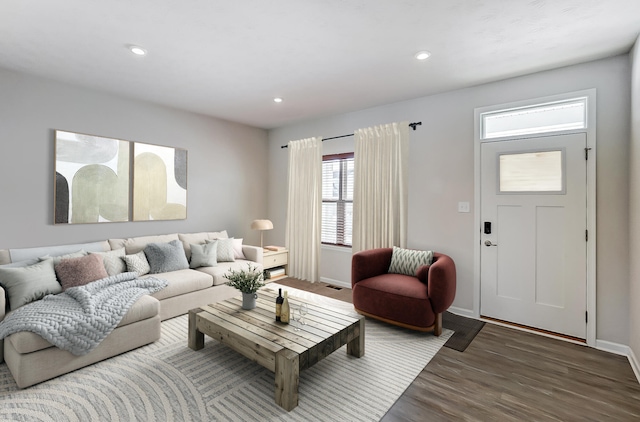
(229, 59)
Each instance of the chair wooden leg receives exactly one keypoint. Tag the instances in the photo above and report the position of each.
(437, 330)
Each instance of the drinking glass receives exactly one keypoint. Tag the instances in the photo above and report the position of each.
(295, 317)
(303, 311)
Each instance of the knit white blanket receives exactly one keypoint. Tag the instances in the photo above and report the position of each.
(81, 317)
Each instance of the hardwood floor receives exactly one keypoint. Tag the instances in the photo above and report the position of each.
(511, 375)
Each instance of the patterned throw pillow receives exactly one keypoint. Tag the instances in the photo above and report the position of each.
(226, 252)
(137, 263)
(113, 261)
(204, 255)
(166, 257)
(407, 261)
(74, 272)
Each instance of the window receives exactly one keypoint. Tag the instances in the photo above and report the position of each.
(540, 118)
(540, 171)
(337, 199)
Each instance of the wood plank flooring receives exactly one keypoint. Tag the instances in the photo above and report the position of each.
(510, 375)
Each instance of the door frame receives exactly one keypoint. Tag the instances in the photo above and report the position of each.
(590, 131)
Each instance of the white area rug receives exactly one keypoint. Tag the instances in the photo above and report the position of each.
(167, 381)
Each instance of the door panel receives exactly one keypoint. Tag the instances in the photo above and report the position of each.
(534, 270)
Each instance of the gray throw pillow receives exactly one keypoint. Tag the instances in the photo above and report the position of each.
(113, 261)
(166, 257)
(204, 255)
(30, 283)
(226, 252)
(407, 261)
(137, 263)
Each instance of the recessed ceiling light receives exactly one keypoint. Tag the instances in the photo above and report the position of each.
(277, 100)
(422, 55)
(137, 50)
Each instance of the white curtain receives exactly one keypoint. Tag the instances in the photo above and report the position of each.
(304, 208)
(380, 191)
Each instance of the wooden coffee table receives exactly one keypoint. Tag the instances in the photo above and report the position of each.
(278, 347)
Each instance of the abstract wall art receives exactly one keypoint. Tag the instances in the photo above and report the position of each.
(91, 179)
(159, 183)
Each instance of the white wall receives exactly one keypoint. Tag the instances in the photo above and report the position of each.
(634, 205)
(226, 165)
(441, 173)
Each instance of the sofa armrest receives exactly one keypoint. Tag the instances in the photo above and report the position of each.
(370, 263)
(441, 285)
(253, 253)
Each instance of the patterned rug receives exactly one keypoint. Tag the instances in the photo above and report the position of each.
(167, 381)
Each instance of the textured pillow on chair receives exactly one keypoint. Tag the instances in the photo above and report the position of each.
(30, 283)
(204, 255)
(166, 257)
(407, 261)
(74, 272)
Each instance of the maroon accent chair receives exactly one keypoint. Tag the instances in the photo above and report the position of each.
(412, 302)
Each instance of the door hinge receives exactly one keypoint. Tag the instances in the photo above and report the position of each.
(586, 153)
(586, 317)
(586, 235)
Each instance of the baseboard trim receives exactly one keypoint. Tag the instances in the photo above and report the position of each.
(335, 282)
(462, 312)
(621, 349)
(634, 364)
(611, 347)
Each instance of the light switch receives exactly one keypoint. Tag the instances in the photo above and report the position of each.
(463, 207)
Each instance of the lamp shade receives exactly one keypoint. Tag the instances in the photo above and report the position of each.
(262, 225)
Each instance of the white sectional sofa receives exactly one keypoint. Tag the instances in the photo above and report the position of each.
(31, 359)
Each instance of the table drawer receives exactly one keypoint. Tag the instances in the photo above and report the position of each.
(275, 260)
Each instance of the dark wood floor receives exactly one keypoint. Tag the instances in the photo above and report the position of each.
(511, 375)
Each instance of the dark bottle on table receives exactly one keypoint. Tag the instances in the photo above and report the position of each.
(279, 301)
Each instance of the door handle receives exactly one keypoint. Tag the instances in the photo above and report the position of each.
(488, 243)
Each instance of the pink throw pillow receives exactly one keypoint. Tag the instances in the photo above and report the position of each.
(74, 272)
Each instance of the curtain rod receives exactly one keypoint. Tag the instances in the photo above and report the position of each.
(413, 126)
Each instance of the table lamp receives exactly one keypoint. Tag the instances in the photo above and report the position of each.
(261, 225)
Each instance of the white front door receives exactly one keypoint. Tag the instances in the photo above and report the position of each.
(533, 263)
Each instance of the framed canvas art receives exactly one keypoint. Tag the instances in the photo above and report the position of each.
(159, 182)
(91, 179)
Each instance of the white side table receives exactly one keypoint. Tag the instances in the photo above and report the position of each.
(272, 259)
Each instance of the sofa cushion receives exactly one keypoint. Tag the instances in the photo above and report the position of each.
(166, 257)
(26, 284)
(29, 253)
(145, 307)
(136, 244)
(58, 258)
(113, 262)
(74, 272)
(407, 261)
(183, 281)
(222, 268)
(137, 263)
(204, 255)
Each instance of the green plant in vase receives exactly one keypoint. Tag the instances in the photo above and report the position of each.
(248, 282)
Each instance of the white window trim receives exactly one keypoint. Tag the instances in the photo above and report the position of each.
(590, 131)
